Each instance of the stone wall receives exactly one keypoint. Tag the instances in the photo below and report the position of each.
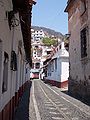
(79, 79)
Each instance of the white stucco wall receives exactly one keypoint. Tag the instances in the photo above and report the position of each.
(5, 36)
(60, 74)
(64, 70)
(10, 41)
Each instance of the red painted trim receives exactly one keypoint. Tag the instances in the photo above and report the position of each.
(11, 110)
(56, 83)
(1, 115)
(16, 99)
(8, 111)
(64, 84)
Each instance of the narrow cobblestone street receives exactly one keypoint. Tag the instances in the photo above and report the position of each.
(49, 103)
(22, 111)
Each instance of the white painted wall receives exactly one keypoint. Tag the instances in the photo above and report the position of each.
(64, 70)
(60, 74)
(5, 36)
(10, 41)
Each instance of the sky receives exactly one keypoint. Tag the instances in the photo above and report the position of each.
(50, 14)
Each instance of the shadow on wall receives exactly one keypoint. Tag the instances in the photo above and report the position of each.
(22, 111)
(85, 101)
(79, 90)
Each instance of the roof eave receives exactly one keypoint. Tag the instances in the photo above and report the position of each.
(68, 5)
(22, 4)
(32, 2)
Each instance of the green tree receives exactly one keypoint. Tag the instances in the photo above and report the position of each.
(49, 41)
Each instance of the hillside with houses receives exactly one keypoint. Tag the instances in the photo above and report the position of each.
(47, 57)
(44, 75)
(49, 31)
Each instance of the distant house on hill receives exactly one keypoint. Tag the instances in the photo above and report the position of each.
(37, 35)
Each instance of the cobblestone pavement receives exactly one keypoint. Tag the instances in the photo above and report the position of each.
(22, 111)
(52, 104)
(49, 103)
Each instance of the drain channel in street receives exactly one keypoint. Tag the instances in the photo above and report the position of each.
(50, 106)
(67, 109)
(61, 112)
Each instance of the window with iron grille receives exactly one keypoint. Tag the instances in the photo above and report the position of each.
(55, 64)
(5, 72)
(83, 35)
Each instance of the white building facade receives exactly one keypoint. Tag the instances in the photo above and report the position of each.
(58, 68)
(14, 67)
(37, 34)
